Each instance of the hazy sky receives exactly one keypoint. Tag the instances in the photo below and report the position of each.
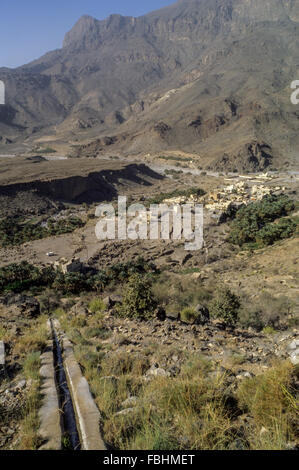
(29, 28)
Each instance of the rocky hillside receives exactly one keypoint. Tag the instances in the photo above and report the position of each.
(208, 77)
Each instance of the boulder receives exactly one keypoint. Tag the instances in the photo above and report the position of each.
(293, 345)
(108, 302)
(293, 349)
(173, 315)
(155, 371)
(79, 309)
(116, 299)
(111, 300)
(22, 306)
(160, 313)
(203, 314)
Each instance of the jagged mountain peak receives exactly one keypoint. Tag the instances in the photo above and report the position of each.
(84, 26)
(90, 32)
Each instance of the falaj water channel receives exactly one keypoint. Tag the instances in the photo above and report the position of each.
(69, 416)
(68, 422)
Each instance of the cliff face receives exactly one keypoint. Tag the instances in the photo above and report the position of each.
(186, 18)
(32, 190)
(116, 75)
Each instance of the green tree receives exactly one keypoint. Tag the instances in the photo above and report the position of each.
(225, 306)
(253, 222)
(138, 300)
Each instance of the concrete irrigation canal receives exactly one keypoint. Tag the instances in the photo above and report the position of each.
(69, 417)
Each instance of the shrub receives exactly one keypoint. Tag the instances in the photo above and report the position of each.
(194, 191)
(62, 226)
(225, 306)
(253, 222)
(180, 293)
(138, 299)
(269, 330)
(48, 150)
(48, 301)
(79, 321)
(271, 401)
(14, 231)
(175, 158)
(22, 276)
(73, 283)
(271, 233)
(19, 277)
(189, 315)
(3, 332)
(173, 172)
(98, 332)
(96, 306)
(252, 317)
(267, 311)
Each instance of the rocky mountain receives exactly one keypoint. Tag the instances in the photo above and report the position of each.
(206, 77)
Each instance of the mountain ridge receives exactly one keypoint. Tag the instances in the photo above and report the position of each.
(111, 78)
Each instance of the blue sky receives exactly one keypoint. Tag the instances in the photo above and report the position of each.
(29, 28)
